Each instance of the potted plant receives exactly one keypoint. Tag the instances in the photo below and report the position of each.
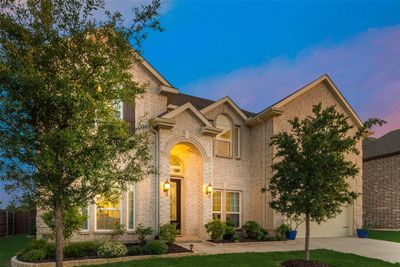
(363, 231)
(293, 222)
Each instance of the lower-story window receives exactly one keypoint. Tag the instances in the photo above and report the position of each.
(108, 213)
(85, 223)
(231, 213)
(131, 208)
(216, 204)
(233, 208)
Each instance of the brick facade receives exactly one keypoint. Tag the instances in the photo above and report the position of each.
(247, 174)
(381, 198)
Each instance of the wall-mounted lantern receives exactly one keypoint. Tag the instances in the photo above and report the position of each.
(209, 189)
(167, 186)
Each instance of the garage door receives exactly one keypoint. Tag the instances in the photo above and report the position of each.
(339, 226)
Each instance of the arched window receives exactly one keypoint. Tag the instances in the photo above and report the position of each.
(223, 142)
(175, 166)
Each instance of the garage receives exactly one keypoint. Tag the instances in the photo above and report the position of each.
(339, 226)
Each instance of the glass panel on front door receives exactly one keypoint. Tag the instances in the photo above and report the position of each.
(175, 203)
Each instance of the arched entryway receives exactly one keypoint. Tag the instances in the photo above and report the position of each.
(186, 193)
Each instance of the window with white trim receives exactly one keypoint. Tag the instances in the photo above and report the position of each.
(108, 212)
(85, 223)
(223, 142)
(119, 110)
(131, 208)
(232, 209)
(237, 142)
(217, 204)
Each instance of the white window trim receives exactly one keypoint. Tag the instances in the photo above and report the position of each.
(121, 104)
(133, 189)
(221, 198)
(88, 221)
(240, 206)
(95, 218)
(238, 139)
(231, 153)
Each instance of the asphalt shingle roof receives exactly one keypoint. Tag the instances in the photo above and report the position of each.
(200, 103)
(384, 146)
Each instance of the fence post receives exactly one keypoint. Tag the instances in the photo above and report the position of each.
(6, 222)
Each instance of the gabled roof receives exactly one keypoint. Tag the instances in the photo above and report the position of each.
(224, 100)
(183, 108)
(387, 145)
(277, 107)
(154, 72)
(166, 120)
(200, 103)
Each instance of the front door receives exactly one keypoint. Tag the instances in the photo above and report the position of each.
(175, 202)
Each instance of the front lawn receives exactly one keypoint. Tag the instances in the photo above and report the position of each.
(9, 245)
(393, 236)
(272, 259)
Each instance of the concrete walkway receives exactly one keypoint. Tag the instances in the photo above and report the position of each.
(384, 250)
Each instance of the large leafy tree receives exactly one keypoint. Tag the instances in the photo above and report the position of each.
(61, 72)
(311, 169)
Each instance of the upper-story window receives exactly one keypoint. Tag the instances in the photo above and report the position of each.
(223, 144)
(119, 112)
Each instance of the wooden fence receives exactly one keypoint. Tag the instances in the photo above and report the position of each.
(17, 222)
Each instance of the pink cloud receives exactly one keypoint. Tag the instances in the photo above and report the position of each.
(366, 68)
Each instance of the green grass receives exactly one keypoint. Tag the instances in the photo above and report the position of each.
(9, 245)
(274, 259)
(393, 236)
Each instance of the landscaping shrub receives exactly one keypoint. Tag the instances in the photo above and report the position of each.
(33, 255)
(82, 249)
(134, 250)
(168, 233)
(142, 232)
(282, 230)
(216, 229)
(254, 230)
(44, 245)
(155, 247)
(112, 250)
(37, 244)
(230, 233)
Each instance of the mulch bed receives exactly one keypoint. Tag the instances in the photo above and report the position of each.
(244, 239)
(174, 248)
(304, 263)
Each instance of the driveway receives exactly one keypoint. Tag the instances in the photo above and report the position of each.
(384, 250)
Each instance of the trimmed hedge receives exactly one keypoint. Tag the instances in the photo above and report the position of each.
(33, 255)
(155, 247)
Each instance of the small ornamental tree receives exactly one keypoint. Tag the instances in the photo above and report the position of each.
(62, 70)
(310, 177)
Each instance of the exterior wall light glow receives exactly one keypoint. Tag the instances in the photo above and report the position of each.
(167, 186)
(209, 189)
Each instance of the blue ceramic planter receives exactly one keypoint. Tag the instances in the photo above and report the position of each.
(361, 233)
(291, 235)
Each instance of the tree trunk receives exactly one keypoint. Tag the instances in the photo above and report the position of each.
(59, 235)
(307, 243)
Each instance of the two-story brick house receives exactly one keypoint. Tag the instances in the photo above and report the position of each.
(211, 159)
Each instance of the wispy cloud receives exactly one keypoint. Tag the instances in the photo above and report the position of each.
(366, 68)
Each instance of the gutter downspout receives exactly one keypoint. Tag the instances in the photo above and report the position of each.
(265, 174)
(157, 181)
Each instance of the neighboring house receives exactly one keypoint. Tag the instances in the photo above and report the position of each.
(381, 186)
(214, 158)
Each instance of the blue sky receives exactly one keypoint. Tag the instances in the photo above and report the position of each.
(258, 52)
(209, 38)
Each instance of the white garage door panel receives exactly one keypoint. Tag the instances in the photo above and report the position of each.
(339, 226)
